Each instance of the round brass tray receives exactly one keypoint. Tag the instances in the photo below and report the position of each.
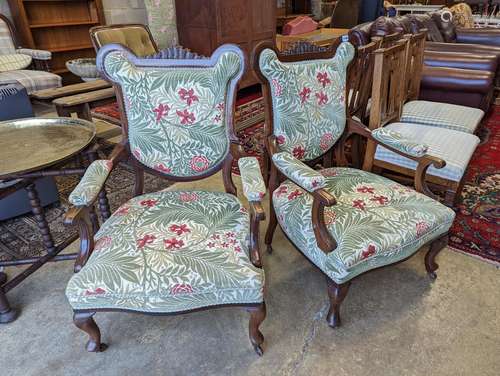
(31, 144)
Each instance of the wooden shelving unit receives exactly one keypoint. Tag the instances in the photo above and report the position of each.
(59, 26)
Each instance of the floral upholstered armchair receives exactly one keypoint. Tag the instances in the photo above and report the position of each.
(171, 251)
(345, 221)
(26, 66)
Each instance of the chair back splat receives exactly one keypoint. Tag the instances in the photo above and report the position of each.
(414, 65)
(178, 114)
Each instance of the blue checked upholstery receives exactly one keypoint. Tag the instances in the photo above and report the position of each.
(443, 115)
(455, 147)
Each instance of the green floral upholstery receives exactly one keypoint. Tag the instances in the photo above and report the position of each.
(375, 222)
(298, 171)
(91, 184)
(397, 141)
(176, 117)
(308, 98)
(254, 188)
(170, 252)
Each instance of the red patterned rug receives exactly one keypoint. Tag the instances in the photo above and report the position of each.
(476, 229)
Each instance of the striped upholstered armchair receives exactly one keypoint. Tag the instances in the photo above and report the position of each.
(26, 66)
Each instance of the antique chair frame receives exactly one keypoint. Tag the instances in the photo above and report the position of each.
(82, 217)
(321, 197)
(387, 106)
(96, 29)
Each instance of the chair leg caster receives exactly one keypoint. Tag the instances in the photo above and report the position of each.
(84, 321)
(8, 316)
(337, 294)
(257, 316)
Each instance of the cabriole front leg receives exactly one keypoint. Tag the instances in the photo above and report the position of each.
(85, 321)
(430, 258)
(337, 294)
(257, 316)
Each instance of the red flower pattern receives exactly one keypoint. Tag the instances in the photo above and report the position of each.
(122, 211)
(368, 252)
(161, 110)
(173, 243)
(149, 203)
(188, 96)
(146, 239)
(282, 190)
(421, 227)
(186, 117)
(163, 168)
(294, 195)
(103, 242)
(323, 79)
(199, 163)
(188, 197)
(299, 152)
(278, 89)
(326, 141)
(221, 106)
(366, 189)
(280, 139)
(97, 291)
(181, 288)
(382, 200)
(304, 94)
(179, 229)
(322, 98)
(359, 204)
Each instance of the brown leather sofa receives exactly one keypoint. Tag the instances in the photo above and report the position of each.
(454, 72)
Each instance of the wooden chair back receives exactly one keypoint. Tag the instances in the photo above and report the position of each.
(360, 80)
(388, 85)
(389, 40)
(414, 64)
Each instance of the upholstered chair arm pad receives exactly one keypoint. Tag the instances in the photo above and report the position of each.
(486, 36)
(35, 54)
(254, 188)
(298, 172)
(86, 192)
(397, 141)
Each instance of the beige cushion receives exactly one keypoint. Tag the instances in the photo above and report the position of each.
(12, 62)
(136, 38)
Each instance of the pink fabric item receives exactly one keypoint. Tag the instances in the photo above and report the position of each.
(300, 25)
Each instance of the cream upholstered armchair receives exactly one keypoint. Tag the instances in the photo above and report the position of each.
(345, 221)
(171, 251)
(15, 62)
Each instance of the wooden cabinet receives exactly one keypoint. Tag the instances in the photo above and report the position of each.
(58, 26)
(204, 25)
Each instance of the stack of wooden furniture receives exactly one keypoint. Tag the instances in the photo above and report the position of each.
(58, 26)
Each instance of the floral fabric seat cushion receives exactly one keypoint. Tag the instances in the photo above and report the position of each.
(444, 115)
(170, 252)
(375, 222)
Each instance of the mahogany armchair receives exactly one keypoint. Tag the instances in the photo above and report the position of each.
(171, 252)
(345, 221)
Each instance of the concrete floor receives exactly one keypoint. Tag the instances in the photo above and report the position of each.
(395, 322)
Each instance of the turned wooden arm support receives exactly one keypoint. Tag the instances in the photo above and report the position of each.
(257, 214)
(423, 162)
(312, 182)
(81, 215)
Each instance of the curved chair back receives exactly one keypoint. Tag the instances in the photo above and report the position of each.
(136, 37)
(307, 94)
(178, 114)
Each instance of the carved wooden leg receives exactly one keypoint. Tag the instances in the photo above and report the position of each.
(41, 221)
(449, 197)
(7, 314)
(85, 322)
(337, 294)
(139, 180)
(436, 246)
(257, 316)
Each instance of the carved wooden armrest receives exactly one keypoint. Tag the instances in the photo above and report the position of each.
(254, 190)
(83, 198)
(393, 142)
(313, 182)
